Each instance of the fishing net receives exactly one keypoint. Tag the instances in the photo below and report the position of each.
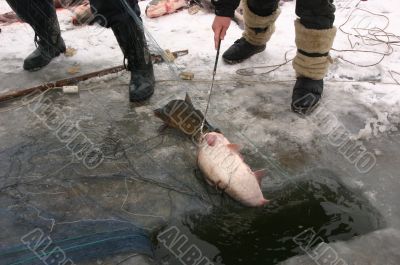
(90, 176)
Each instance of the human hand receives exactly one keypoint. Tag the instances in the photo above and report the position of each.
(220, 26)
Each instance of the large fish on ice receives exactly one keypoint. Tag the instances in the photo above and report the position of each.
(223, 166)
(218, 159)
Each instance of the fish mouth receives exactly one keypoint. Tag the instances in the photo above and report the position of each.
(158, 113)
(211, 128)
(208, 126)
(216, 130)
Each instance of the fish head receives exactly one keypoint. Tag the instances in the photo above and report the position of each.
(183, 115)
(212, 138)
(196, 118)
(207, 126)
(159, 113)
(170, 113)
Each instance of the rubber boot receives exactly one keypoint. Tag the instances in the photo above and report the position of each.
(258, 31)
(42, 17)
(311, 65)
(133, 44)
(48, 48)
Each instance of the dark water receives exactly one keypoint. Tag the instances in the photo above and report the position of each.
(317, 204)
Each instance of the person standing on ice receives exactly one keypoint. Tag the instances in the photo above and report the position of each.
(41, 16)
(315, 34)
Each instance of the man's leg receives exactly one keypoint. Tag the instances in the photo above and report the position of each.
(315, 34)
(259, 19)
(131, 39)
(41, 16)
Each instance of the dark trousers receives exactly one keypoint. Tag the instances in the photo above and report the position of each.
(113, 10)
(38, 12)
(314, 14)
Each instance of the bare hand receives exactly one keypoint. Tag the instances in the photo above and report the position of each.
(220, 26)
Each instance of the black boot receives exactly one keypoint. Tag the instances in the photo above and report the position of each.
(42, 17)
(306, 94)
(241, 50)
(49, 46)
(132, 41)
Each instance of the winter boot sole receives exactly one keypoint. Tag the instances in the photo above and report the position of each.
(41, 67)
(304, 111)
(232, 62)
(34, 69)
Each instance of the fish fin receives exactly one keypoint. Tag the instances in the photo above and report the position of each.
(259, 174)
(210, 182)
(197, 174)
(211, 139)
(163, 127)
(264, 202)
(188, 100)
(158, 113)
(234, 147)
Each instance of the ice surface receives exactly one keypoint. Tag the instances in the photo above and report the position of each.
(380, 247)
(147, 178)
